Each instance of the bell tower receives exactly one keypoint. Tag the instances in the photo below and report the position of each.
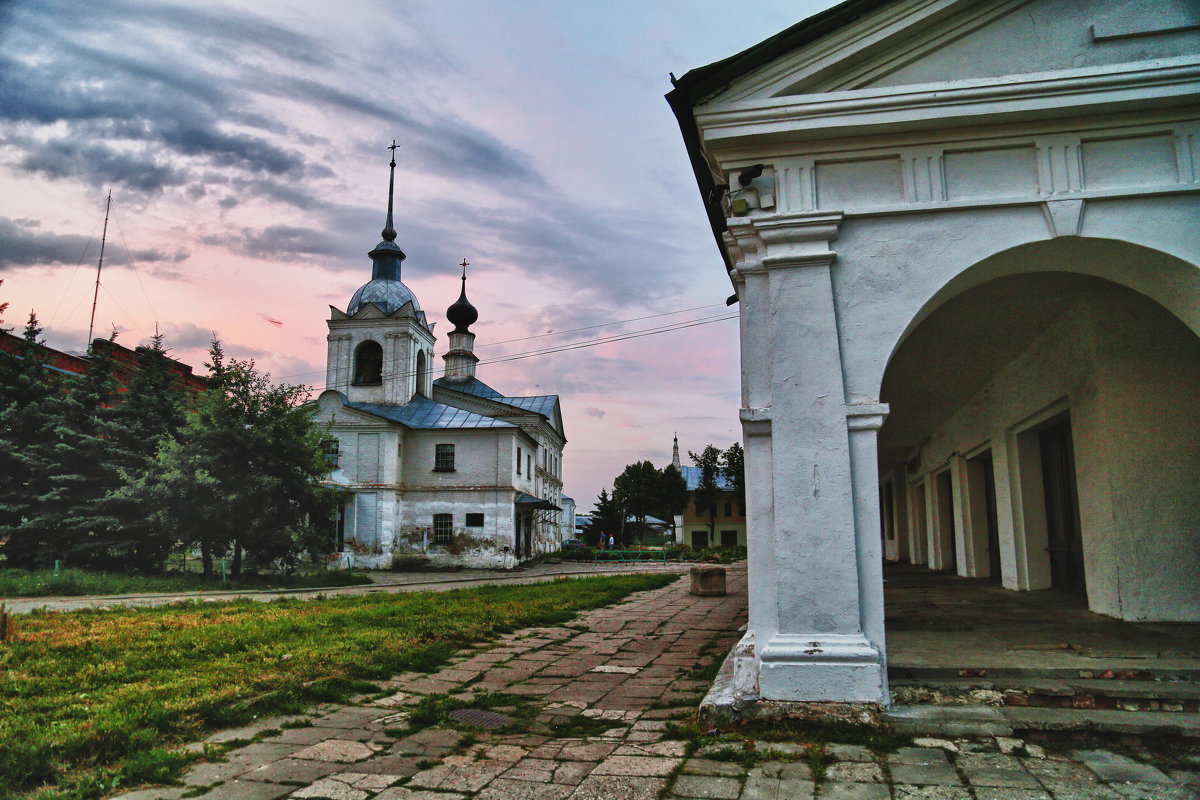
(381, 346)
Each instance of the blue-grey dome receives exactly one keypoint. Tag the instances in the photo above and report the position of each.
(388, 295)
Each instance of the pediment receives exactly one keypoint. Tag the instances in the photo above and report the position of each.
(921, 42)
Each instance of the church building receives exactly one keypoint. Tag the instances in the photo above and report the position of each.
(446, 471)
(962, 238)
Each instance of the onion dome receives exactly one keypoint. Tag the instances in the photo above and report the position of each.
(462, 313)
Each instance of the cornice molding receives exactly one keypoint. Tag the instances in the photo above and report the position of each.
(1064, 93)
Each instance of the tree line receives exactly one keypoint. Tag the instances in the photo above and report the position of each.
(642, 490)
(97, 477)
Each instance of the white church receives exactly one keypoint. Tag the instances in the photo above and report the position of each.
(450, 471)
(964, 240)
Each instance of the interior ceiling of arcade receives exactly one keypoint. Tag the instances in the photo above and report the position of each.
(955, 351)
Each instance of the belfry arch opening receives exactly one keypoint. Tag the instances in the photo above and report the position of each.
(368, 364)
(422, 371)
(1041, 433)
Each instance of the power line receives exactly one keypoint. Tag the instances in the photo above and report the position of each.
(581, 345)
(601, 325)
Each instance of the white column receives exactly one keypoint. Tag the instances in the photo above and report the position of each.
(812, 558)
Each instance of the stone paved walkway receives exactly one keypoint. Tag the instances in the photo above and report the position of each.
(599, 694)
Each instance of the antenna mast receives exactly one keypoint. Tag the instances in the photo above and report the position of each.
(99, 264)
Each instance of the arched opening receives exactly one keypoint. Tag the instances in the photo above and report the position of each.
(1041, 434)
(368, 364)
(422, 369)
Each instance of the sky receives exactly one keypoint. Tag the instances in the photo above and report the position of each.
(245, 145)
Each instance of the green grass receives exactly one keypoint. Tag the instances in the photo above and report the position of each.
(73, 582)
(92, 698)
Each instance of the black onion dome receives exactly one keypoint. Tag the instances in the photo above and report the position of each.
(462, 313)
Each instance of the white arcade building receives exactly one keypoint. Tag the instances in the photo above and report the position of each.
(448, 471)
(964, 238)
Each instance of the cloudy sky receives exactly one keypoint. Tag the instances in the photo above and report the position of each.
(245, 145)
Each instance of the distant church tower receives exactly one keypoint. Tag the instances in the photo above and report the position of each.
(381, 348)
(675, 456)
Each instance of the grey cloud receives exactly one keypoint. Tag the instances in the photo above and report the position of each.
(23, 245)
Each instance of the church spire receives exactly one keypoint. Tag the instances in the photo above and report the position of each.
(389, 233)
(675, 455)
(387, 255)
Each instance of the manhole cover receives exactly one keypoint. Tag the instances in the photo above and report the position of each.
(478, 718)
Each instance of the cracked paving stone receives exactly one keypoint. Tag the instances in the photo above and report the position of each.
(639, 766)
(291, 770)
(854, 772)
(932, 793)
(502, 789)
(417, 794)
(1016, 793)
(340, 750)
(330, 789)
(708, 787)
(854, 791)
(618, 787)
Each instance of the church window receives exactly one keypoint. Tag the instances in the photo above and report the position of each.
(443, 528)
(518, 461)
(368, 364)
(332, 452)
(443, 459)
(475, 520)
(529, 464)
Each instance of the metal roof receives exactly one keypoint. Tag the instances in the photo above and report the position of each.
(692, 476)
(471, 385)
(423, 413)
(389, 296)
(539, 404)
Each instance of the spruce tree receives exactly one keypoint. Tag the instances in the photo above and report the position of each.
(27, 445)
(142, 418)
(244, 473)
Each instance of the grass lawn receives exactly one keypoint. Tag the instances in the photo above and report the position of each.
(43, 582)
(91, 701)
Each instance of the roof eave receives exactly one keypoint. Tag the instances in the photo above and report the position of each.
(698, 84)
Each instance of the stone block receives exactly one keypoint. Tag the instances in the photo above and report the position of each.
(708, 582)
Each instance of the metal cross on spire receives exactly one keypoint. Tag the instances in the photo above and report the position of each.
(464, 265)
(389, 232)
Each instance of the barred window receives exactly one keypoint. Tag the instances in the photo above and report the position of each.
(474, 520)
(443, 460)
(443, 528)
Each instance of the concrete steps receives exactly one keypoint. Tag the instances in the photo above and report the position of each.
(1043, 692)
(1144, 702)
(933, 720)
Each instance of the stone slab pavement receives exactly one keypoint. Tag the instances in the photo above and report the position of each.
(599, 696)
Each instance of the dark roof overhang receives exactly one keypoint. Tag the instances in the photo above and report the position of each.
(536, 503)
(702, 82)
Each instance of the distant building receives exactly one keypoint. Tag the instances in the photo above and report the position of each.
(699, 530)
(567, 519)
(125, 362)
(448, 471)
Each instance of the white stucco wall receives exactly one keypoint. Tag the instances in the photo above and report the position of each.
(1125, 371)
